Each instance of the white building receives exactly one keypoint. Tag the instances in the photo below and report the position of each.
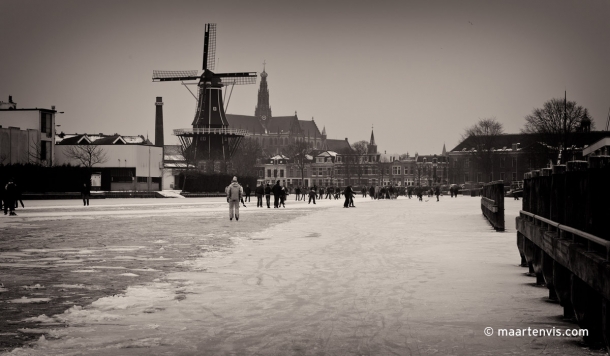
(129, 163)
(26, 135)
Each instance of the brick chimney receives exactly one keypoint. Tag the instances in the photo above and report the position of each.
(159, 122)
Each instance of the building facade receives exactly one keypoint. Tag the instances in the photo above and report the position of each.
(26, 135)
(129, 163)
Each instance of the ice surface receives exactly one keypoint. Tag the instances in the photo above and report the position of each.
(393, 277)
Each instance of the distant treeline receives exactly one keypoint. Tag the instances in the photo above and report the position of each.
(39, 179)
(197, 182)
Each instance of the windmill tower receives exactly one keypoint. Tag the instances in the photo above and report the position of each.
(210, 138)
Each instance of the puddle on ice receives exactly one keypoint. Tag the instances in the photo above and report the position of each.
(129, 275)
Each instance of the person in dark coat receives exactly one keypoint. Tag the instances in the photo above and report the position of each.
(283, 194)
(260, 191)
(18, 200)
(297, 193)
(348, 193)
(247, 192)
(10, 192)
(437, 192)
(268, 195)
(277, 191)
(85, 193)
(312, 195)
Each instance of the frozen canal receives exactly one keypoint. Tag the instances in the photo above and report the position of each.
(397, 277)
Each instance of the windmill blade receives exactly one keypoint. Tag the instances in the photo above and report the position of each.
(209, 47)
(175, 75)
(237, 78)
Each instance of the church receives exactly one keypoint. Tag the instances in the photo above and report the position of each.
(275, 133)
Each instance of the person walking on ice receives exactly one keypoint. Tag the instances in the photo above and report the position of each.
(234, 196)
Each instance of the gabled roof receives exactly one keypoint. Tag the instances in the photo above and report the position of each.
(310, 128)
(75, 140)
(100, 139)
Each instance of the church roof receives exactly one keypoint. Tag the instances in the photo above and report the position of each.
(245, 122)
(280, 124)
(309, 126)
(337, 145)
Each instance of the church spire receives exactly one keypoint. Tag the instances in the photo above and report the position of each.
(372, 148)
(263, 109)
(444, 150)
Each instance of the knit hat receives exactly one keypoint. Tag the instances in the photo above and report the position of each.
(234, 179)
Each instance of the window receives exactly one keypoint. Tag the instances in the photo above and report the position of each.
(502, 162)
(261, 173)
(466, 177)
(46, 124)
(275, 172)
(396, 170)
(502, 176)
(156, 179)
(479, 177)
(514, 175)
(142, 179)
(268, 173)
(281, 173)
(467, 163)
(514, 162)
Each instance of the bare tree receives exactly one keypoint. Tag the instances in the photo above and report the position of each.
(360, 150)
(187, 151)
(556, 122)
(34, 153)
(297, 152)
(86, 155)
(248, 154)
(482, 137)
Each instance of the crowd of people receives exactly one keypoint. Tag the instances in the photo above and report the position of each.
(264, 193)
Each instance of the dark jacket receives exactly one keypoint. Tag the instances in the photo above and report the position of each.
(247, 190)
(10, 191)
(260, 190)
(277, 189)
(267, 190)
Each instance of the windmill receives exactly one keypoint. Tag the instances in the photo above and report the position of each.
(210, 138)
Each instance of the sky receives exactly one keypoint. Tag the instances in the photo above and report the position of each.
(419, 72)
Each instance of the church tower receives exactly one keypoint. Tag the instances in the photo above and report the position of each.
(263, 110)
(372, 148)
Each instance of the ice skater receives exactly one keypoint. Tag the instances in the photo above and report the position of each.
(234, 195)
(85, 193)
(10, 191)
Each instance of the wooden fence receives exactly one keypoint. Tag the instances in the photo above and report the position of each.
(492, 204)
(563, 236)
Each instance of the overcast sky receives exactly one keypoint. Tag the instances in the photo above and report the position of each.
(420, 71)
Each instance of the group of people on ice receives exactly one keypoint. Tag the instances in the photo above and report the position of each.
(10, 197)
(236, 194)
